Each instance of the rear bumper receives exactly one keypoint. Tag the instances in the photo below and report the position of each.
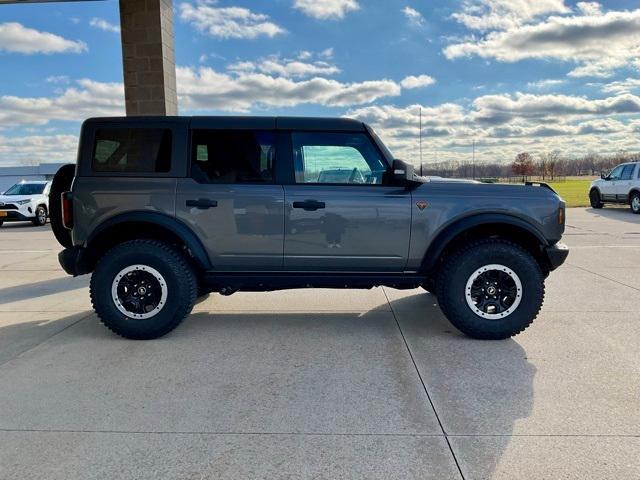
(556, 255)
(74, 261)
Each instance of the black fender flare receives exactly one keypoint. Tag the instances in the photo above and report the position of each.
(458, 226)
(177, 227)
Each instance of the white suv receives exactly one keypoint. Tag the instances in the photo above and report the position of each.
(621, 185)
(25, 201)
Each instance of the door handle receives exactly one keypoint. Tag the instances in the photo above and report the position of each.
(202, 203)
(309, 205)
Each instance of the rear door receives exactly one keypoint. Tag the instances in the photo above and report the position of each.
(340, 213)
(231, 198)
(623, 186)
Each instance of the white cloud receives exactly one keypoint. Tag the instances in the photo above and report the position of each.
(33, 149)
(88, 99)
(58, 79)
(546, 84)
(415, 17)
(498, 109)
(16, 38)
(229, 22)
(327, 53)
(485, 15)
(589, 8)
(417, 82)
(206, 89)
(599, 43)
(622, 86)
(508, 124)
(274, 65)
(102, 24)
(326, 9)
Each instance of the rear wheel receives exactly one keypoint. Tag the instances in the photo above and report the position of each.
(595, 199)
(143, 289)
(41, 216)
(635, 203)
(491, 289)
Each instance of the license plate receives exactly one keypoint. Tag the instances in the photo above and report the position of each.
(3, 214)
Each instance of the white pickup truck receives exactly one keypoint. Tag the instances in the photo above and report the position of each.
(621, 185)
(26, 202)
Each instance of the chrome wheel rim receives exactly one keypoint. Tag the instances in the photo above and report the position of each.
(42, 216)
(139, 292)
(493, 292)
(635, 204)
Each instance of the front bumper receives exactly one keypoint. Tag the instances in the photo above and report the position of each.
(74, 261)
(556, 255)
(16, 216)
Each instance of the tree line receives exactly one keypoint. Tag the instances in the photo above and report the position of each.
(547, 166)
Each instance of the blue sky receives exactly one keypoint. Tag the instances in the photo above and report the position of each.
(513, 75)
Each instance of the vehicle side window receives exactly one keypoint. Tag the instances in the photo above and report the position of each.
(132, 150)
(616, 173)
(336, 158)
(232, 156)
(627, 172)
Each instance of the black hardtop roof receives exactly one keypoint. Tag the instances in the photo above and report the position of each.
(241, 122)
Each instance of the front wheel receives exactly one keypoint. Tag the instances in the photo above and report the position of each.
(634, 202)
(491, 289)
(143, 289)
(41, 217)
(595, 199)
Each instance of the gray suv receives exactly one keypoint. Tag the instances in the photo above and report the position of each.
(164, 210)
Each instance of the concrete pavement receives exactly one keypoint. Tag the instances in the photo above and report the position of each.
(322, 383)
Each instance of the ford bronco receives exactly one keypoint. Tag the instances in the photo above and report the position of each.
(163, 210)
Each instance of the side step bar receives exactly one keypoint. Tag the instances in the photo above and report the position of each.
(227, 283)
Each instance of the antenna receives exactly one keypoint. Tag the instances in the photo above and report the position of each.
(473, 160)
(421, 140)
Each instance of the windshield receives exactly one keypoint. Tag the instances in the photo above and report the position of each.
(26, 189)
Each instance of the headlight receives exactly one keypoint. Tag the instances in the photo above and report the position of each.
(23, 202)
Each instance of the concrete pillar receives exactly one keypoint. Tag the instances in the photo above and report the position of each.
(148, 57)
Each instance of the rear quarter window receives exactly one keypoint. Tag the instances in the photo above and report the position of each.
(132, 150)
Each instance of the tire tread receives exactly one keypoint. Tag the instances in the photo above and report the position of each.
(176, 262)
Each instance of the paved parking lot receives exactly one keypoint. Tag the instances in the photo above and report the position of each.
(324, 384)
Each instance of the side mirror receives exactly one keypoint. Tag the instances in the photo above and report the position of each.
(402, 172)
(603, 175)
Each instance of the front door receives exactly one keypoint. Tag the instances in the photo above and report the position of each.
(231, 200)
(340, 215)
(608, 189)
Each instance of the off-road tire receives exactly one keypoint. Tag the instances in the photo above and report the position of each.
(634, 202)
(595, 200)
(181, 282)
(459, 267)
(40, 220)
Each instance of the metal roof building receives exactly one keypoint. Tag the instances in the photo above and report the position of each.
(11, 175)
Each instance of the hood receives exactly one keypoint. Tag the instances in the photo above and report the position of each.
(435, 178)
(15, 198)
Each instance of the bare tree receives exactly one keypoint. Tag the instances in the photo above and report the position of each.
(523, 165)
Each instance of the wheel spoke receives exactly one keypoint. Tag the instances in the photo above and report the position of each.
(493, 291)
(139, 291)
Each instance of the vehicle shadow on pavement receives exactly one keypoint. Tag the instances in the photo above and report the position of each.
(618, 212)
(40, 289)
(479, 388)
